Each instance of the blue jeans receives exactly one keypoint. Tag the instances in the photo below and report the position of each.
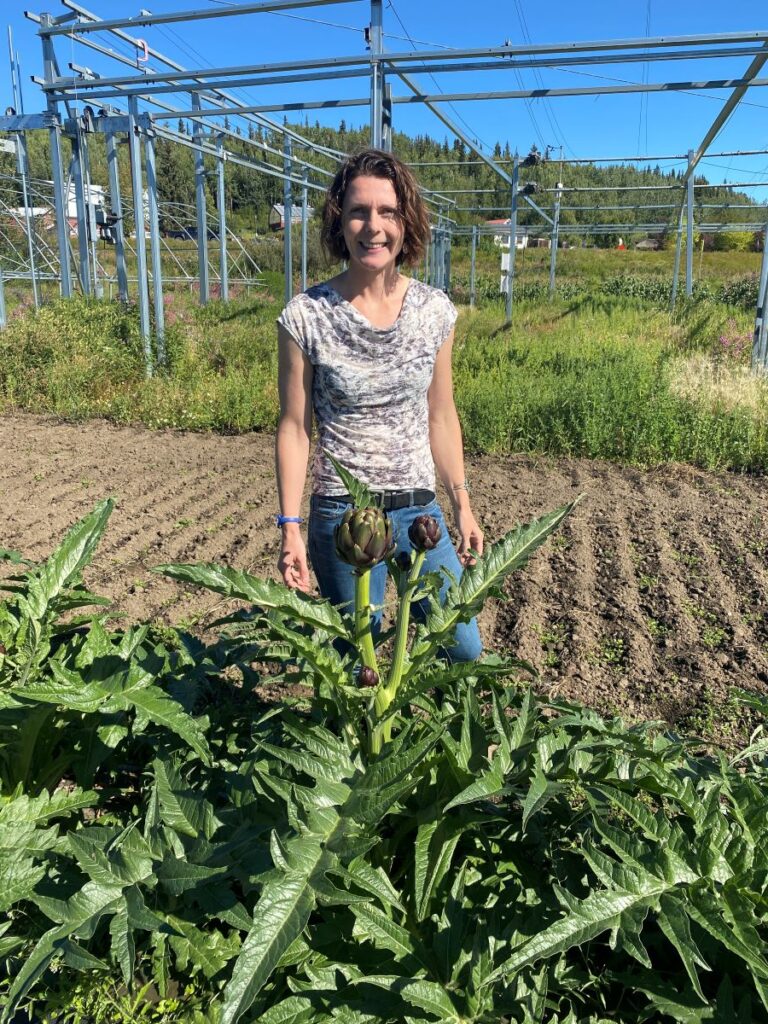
(336, 579)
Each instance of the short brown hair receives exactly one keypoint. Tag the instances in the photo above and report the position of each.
(410, 205)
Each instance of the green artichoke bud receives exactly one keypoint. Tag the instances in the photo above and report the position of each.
(364, 537)
(424, 533)
(368, 677)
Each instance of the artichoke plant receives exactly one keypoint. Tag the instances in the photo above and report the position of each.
(364, 537)
(425, 533)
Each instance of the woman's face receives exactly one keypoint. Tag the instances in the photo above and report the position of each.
(371, 222)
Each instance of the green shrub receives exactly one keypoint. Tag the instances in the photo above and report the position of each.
(491, 859)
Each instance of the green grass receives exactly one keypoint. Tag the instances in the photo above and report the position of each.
(596, 379)
(600, 376)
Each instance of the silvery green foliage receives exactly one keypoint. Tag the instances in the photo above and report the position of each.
(498, 860)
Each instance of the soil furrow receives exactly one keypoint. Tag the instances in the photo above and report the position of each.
(651, 599)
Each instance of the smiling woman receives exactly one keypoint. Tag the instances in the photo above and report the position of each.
(369, 351)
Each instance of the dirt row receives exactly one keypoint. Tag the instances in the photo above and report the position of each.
(649, 602)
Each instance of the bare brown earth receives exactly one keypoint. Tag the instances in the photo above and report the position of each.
(649, 602)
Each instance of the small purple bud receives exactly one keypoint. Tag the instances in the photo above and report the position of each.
(368, 677)
(425, 533)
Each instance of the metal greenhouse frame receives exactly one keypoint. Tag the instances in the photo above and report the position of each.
(134, 106)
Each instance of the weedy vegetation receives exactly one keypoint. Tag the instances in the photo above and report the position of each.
(599, 371)
(410, 841)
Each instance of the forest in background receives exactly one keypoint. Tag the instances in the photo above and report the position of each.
(441, 165)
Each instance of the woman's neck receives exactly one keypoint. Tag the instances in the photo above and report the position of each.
(370, 288)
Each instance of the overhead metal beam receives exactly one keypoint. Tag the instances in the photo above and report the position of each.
(728, 108)
(429, 99)
(409, 56)
(141, 20)
(262, 121)
(459, 132)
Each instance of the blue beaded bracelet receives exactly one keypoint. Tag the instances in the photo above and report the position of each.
(280, 520)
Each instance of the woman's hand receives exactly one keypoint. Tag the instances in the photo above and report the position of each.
(470, 536)
(292, 562)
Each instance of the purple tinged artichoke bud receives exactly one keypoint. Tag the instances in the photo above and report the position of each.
(364, 537)
(424, 533)
(368, 677)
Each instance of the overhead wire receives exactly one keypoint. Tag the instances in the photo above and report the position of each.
(644, 79)
(475, 137)
(548, 107)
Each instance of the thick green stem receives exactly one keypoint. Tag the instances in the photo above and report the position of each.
(363, 625)
(387, 693)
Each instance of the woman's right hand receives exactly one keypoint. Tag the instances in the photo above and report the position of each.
(292, 562)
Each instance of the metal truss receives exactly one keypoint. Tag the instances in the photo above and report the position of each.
(134, 106)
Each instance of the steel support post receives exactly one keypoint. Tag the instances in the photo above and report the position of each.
(472, 262)
(678, 252)
(553, 240)
(2, 299)
(512, 236)
(154, 243)
(116, 209)
(134, 145)
(689, 230)
(447, 260)
(90, 216)
(760, 341)
(386, 127)
(304, 227)
(78, 180)
(57, 165)
(200, 206)
(287, 221)
(376, 39)
(221, 203)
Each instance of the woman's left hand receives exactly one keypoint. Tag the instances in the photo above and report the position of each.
(470, 537)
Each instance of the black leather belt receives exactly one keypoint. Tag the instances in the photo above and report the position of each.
(388, 500)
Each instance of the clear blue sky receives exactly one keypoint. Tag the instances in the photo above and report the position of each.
(585, 126)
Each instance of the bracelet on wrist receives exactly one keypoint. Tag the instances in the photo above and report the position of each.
(463, 486)
(281, 520)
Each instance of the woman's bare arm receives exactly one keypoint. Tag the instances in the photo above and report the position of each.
(292, 453)
(448, 452)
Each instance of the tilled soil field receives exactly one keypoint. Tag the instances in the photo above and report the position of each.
(649, 602)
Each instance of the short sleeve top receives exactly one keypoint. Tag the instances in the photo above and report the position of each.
(370, 384)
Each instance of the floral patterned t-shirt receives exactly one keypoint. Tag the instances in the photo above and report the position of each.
(370, 384)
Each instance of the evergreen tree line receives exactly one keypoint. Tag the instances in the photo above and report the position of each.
(438, 164)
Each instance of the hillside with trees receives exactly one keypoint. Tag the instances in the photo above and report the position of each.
(439, 164)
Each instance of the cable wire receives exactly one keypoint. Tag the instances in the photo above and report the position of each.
(469, 128)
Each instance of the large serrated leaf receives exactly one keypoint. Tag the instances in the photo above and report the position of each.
(164, 710)
(673, 921)
(235, 583)
(279, 917)
(511, 552)
(18, 877)
(123, 945)
(293, 1010)
(374, 925)
(184, 810)
(597, 913)
(426, 995)
(490, 784)
(71, 556)
(83, 910)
